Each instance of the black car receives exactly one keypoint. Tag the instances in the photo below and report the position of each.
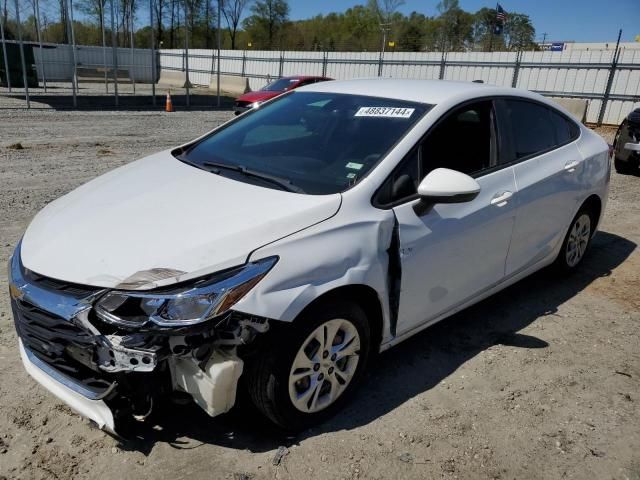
(627, 144)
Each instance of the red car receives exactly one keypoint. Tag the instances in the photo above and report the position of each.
(278, 87)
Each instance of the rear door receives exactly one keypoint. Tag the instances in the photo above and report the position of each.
(548, 168)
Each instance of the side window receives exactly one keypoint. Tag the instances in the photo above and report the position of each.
(463, 141)
(532, 130)
(565, 130)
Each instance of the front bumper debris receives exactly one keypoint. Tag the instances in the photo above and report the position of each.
(112, 374)
(71, 392)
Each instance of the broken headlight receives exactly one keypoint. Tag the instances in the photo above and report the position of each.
(187, 305)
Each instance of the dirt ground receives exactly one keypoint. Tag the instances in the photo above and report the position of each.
(540, 381)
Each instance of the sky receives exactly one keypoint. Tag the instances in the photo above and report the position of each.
(579, 20)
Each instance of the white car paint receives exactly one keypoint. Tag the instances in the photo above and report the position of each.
(158, 221)
(344, 241)
(163, 216)
(443, 182)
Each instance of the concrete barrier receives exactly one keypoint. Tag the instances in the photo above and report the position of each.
(576, 106)
(173, 79)
(231, 85)
(96, 75)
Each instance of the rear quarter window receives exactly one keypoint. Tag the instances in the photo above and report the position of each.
(565, 130)
(532, 131)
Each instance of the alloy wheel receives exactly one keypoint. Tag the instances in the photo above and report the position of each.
(324, 365)
(578, 240)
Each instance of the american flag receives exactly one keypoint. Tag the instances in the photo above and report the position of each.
(501, 15)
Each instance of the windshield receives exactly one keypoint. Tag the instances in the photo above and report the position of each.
(280, 85)
(321, 143)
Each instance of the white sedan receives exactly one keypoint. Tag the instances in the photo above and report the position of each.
(283, 249)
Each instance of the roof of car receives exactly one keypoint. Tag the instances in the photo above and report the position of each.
(424, 91)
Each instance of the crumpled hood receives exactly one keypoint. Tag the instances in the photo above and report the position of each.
(158, 221)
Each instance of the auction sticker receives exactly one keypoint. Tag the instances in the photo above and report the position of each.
(387, 112)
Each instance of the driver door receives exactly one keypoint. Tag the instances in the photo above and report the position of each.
(450, 253)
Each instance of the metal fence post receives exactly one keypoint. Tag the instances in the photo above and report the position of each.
(516, 69)
(131, 50)
(281, 67)
(443, 64)
(36, 11)
(218, 42)
(74, 78)
(325, 57)
(4, 55)
(25, 81)
(244, 63)
(612, 73)
(104, 50)
(187, 83)
(153, 56)
(114, 50)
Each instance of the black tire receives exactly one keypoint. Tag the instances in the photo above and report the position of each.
(267, 374)
(562, 263)
(630, 166)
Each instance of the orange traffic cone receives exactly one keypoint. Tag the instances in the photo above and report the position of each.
(169, 104)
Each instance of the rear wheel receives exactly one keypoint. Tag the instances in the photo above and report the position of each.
(310, 369)
(577, 241)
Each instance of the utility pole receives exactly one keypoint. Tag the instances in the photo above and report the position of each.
(385, 27)
(544, 39)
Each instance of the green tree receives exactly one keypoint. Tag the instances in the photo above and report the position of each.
(455, 26)
(267, 22)
(94, 9)
(412, 33)
(519, 32)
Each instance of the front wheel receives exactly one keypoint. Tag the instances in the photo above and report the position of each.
(630, 166)
(576, 242)
(311, 367)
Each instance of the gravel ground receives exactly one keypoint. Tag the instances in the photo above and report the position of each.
(540, 381)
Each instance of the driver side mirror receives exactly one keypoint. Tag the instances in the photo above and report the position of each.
(443, 185)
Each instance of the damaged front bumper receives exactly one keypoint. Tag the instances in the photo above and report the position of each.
(111, 374)
(84, 401)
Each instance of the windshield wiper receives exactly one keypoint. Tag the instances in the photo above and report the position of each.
(284, 183)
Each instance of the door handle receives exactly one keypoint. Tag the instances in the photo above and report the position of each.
(571, 166)
(501, 199)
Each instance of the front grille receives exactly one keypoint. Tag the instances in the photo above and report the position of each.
(53, 285)
(60, 343)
